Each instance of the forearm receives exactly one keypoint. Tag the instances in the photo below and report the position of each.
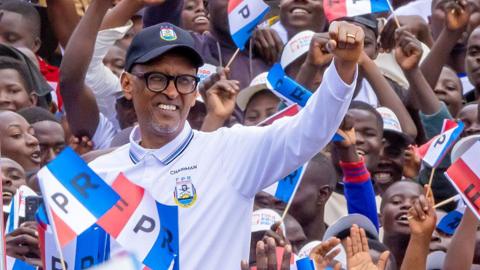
(416, 254)
(306, 75)
(387, 96)
(121, 14)
(422, 93)
(63, 18)
(359, 191)
(79, 51)
(461, 250)
(432, 65)
(170, 12)
(212, 123)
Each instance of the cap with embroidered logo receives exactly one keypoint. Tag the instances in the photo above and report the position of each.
(159, 39)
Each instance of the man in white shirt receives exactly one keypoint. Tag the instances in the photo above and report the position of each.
(219, 173)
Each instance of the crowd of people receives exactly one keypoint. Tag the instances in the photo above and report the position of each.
(142, 87)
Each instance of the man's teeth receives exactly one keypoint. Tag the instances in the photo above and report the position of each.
(360, 153)
(403, 217)
(299, 11)
(5, 193)
(167, 107)
(383, 176)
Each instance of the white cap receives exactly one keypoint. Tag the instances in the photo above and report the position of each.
(435, 260)
(258, 84)
(346, 222)
(462, 146)
(263, 219)
(297, 46)
(391, 124)
(307, 248)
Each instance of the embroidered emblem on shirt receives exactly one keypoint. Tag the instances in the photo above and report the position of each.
(185, 194)
(168, 34)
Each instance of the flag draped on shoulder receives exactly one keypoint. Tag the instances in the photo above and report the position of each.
(434, 150)
(143, 226)
(335, 9)
(464, 174)
(243, 17)
(76, 196)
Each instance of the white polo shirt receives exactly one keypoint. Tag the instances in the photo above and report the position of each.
(227, 168)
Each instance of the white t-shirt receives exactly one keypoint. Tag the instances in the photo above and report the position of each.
(104, 133)
(367, 94)
(227, 168)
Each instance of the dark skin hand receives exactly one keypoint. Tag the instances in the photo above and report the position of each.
(23, 243)
(323, 256)
(408, 53)
(346, 148)
(456, 21)
(413, 24)
(267, 44)
(267, 257)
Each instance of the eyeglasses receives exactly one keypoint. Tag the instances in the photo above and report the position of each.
(157, 82)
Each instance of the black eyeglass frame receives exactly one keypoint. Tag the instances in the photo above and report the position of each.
(146, 75)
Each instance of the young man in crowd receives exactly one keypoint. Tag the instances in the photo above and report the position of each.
(472, 63)
(18, 142)
(48, 131)
(470, 116)
(13, 176)
(16, 90)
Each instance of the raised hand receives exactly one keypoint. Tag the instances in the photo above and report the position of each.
(219, 94)
(357, 249)
(266, 255)
(347, 131)
(408, 51)
(412, 163)
(421, 216)
(457, 15)
(413, 24)
(318, 54)
(323, 256)
(346, 41)
(81, 145)
(267, 44)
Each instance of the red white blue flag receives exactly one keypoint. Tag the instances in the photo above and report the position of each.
(143, 226)
(76, 196)
(335, 9)
(243, 17)
(433, 151)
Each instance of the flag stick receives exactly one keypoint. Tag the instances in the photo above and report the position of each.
(393, 13)
(294, 192)
(447, 201)
(430, 182)
(55, 235)
(232, 58)
(3, 251)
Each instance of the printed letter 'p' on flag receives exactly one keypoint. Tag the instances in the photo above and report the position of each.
(335, 9)
(433, 151)
(76, 196)
(243, 17)
(143, 226)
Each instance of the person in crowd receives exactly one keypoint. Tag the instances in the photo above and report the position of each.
(470, 116)
(194, 16)
(18, 141)
(13, 176)
(449, 90)
(48, 131)
(472, 60)
(16, 90)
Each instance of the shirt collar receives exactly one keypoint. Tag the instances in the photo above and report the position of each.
(166, 153)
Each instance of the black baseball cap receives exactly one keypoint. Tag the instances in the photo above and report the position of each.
(156, 40)
(368, 20)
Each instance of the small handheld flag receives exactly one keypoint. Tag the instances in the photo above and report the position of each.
(143, 226)
(435, 150)
(464, 174)
(289, 111)
(243, 17)
(335, 9)
(285, 188)
(76, 196)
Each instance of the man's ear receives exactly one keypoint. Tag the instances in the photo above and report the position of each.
(324, 193)
(33, 97)
(195, 99)
(127, 85)
(37, 43)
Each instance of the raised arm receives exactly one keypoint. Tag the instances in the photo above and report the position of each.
(63, 18)
(170, 12)
(462, 248)
(457, 15)
(270, 153)
(386, 95)
(79, 99)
